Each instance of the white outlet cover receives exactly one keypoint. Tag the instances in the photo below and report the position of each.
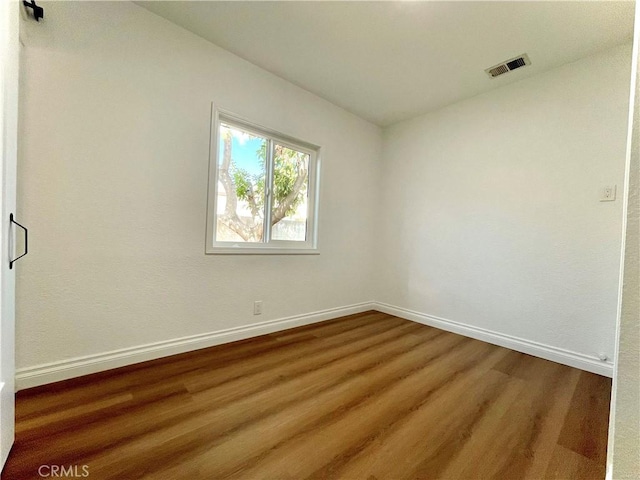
(608, 193)
(257, 307)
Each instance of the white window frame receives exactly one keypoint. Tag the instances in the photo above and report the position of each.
(272, 247)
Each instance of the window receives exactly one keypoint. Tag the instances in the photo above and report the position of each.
(262, 190)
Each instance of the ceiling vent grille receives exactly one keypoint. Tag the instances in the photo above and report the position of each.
(508, 65)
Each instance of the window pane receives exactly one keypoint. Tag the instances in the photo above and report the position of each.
(290, 194)
(241, 181)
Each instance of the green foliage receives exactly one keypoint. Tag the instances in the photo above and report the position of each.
(241, 180)
(288, 164)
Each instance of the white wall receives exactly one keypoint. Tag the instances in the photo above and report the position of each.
(491, 208)
(623, 453)
(626, 463)
(485, 212)
(113, 187)
(627, 398)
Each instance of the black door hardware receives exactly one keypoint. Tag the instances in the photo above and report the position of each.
(26, 237)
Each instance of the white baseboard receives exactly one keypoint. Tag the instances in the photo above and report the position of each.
(75, 367)
(548, 352)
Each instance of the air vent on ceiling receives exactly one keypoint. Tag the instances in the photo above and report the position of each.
(508, 65)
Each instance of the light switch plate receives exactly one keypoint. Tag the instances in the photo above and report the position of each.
(608, 193)
(257, 307)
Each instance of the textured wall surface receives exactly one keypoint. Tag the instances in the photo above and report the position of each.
(492, 207)
(626, 397)
(485, 212)
(626, 461)
(113, 186)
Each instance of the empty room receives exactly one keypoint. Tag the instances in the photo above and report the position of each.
(319, 239)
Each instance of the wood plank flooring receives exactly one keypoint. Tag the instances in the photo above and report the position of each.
(369, 396)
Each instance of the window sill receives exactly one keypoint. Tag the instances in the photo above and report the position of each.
(261, 251)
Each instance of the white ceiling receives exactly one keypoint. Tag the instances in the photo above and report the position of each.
(389, 61)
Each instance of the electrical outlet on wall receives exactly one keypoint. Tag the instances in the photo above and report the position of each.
(608, 193)
(257, 307)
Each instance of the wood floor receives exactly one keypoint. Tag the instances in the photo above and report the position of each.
(369, 397)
